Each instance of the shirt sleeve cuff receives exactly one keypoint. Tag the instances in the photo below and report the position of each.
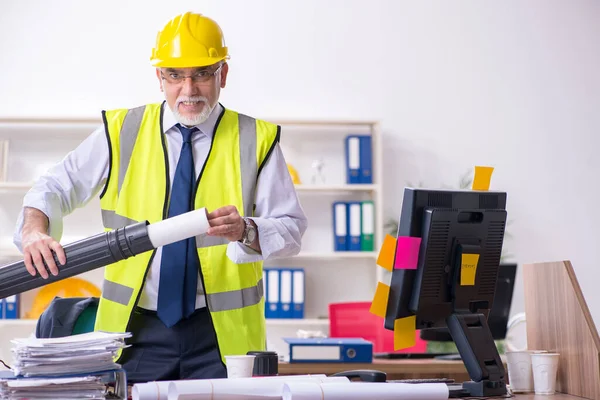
(49, 204)
(270, 242)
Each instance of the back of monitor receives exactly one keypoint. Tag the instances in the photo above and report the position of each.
(558, 320)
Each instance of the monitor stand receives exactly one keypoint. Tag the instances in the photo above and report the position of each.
(476, 346)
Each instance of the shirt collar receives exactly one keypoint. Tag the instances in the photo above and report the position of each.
(207, 127)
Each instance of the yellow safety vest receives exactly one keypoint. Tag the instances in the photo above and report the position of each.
(138, 189)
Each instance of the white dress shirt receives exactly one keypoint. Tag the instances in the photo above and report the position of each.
(82, 174)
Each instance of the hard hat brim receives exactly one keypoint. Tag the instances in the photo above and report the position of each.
(186, 62)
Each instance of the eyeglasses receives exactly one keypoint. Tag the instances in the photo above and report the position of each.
(200, 76)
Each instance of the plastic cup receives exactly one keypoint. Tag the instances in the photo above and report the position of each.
(545, 369)
(240, 366)
(520, 374)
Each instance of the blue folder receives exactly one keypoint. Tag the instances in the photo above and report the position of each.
(352, 147)
(298, 293)
(354, 212)
(340, 226)
(366, 162)
(330, 350)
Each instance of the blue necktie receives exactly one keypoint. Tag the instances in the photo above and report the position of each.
(179, 264)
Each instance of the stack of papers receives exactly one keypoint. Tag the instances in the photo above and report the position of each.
(77, 354)
(86, 387)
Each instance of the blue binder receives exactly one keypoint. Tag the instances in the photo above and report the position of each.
(298, 293)
(10, 307)
(366, 162)
(340, 226)
(352, 145)
(330, 350)
(272, 289)
(285, 293)
(354, 212)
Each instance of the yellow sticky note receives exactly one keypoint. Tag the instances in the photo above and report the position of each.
(385, 258)
(405, 332)
(482, 178)
(468, 269)
(379, 304)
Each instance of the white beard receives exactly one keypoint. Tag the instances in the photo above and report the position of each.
(196, 119)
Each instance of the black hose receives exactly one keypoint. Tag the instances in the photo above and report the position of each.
(82, 256)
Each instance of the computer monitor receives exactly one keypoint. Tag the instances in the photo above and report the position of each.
(499, 314)
(454, 284)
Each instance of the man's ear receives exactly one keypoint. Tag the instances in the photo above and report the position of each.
(224, 71)
(160, 81)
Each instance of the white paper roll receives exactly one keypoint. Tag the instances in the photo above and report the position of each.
(296, 390)
(302, 391)
(255, 388)
(150, 391)
(177, 228)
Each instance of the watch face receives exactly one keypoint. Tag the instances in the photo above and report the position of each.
(251, 235)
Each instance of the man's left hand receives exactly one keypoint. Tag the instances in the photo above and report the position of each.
(226, 222)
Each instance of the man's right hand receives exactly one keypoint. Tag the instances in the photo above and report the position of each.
(37, 248)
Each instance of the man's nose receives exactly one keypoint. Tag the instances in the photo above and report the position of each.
(188, 86)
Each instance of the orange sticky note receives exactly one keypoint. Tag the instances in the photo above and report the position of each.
(468, 269)
(385, 258)
(407, 252)
(379, 304)
(405, 332)
(482, 178)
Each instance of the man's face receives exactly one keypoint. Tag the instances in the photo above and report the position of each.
(192, 93)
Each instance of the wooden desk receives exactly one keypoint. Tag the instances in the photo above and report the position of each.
(557, 396)
(395, 369)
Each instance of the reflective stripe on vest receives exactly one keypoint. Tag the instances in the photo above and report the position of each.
(248, 160)
(112, 220)
(223, 301)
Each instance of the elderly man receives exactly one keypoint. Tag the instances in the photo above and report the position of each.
(191, 303)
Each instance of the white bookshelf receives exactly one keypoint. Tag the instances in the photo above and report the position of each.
(36, 143)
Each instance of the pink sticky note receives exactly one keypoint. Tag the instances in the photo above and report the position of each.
(407, 252)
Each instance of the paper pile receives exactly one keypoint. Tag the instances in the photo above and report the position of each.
(77, 354)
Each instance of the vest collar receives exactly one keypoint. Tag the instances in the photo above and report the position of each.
(207, 127)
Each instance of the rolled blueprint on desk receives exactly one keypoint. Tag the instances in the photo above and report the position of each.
(293, 390)
(106, 248)
(158, 390)
(258, 388)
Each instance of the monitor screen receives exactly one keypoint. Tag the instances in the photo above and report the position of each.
(454, 283)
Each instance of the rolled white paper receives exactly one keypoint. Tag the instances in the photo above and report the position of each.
(298, 390)
(256, 388)
(158, 390)
(150, 391)
(177, 228)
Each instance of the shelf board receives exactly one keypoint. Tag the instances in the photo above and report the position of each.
(19, 321)
(15, 185)
(300, 188)
(337, 188)
(296, 321)
(332, 255)
(33, 119)
(9, 252)
(270, 321)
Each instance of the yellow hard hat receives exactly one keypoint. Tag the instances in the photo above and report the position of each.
(189, 40)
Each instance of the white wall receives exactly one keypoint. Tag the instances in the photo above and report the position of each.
(511, 84)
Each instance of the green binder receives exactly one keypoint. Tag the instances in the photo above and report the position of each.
(367, 225)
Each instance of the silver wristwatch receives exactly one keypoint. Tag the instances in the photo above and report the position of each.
(249, 235)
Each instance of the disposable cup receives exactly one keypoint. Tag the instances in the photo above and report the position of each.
(545, 369)
(520, 376)
(240, 366)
